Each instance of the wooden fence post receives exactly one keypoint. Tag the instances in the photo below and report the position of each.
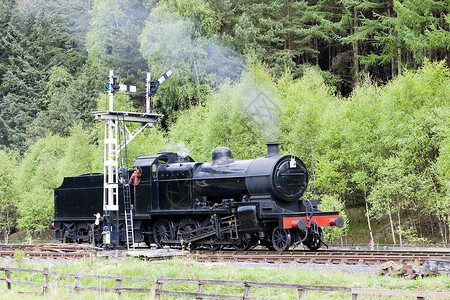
(356, 296)
(200, 290)
(118, 283)
(158, 287)
(301, 294)
(77, 283)
(45, 281)
(247, 291)
(8, 279)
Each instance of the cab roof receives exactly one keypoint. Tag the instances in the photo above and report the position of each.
(164, 157)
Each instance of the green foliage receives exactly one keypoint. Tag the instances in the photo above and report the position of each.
(35, 210)
(414, 26)
(228, 120)
(149, 141)
(18, 258)
(411, 236)
(245, 36)
(60, 114)
(112, 39)
(43, 168)
(222, 123)
(181, 36)
(8, 192)
(81, 154)
(387, 144)
(282, 33)
(443, 165)
(201, 11)
(332, 203)
(37, 176)
(32, 43)
(304, 105)
(389, 188)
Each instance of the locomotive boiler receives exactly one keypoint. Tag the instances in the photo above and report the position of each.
(221, 203)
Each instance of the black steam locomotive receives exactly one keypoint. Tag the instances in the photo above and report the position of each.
(222, 203)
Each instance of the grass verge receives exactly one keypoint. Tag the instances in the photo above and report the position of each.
(186, 268)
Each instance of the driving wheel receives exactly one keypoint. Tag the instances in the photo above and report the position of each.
(245, 244)
(281, 239)
(186, 231)
(163, 230)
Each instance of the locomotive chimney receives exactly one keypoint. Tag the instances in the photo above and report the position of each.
(221, 156)
(272, 149)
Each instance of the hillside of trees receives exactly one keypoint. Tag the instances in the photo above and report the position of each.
(358, 89)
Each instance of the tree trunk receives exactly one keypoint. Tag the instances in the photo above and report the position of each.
(420, 225)
(414, 60)
(441, 230)
(448, 226)
(289, 42)
(329, 57)
(392, 58)
(399, 228)
(197, 83)
(368, 219)
(355, 49)
(432, 225)
(316, 47)
(399, 58)
(8, 227)
(392, 67)
(392, 224)
(444, 226)
(370, 227)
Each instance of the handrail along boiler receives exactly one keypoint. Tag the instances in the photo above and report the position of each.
(222, 203)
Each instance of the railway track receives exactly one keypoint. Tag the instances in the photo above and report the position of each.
(349, 257)
(52, 251)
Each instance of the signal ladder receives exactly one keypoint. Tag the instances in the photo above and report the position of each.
(124, 177)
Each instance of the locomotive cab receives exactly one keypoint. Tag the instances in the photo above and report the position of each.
(162, 186)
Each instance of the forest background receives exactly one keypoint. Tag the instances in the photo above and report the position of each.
(358, 89)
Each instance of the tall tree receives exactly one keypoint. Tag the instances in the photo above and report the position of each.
(32, 44)
(8, 194)
(180, 35)
(412, 30)
(112, 39)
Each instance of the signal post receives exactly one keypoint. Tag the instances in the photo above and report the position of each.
(117, 137)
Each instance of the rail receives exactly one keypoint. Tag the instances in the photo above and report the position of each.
(348, 257)
(158, 291)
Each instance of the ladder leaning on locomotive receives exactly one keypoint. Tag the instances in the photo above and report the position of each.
(222, 203)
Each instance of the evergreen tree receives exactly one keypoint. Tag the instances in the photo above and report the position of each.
(412, 30)
(180, 35)
(33, 44)
(112, 40)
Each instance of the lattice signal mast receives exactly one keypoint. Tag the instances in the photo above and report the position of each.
(117, 137)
